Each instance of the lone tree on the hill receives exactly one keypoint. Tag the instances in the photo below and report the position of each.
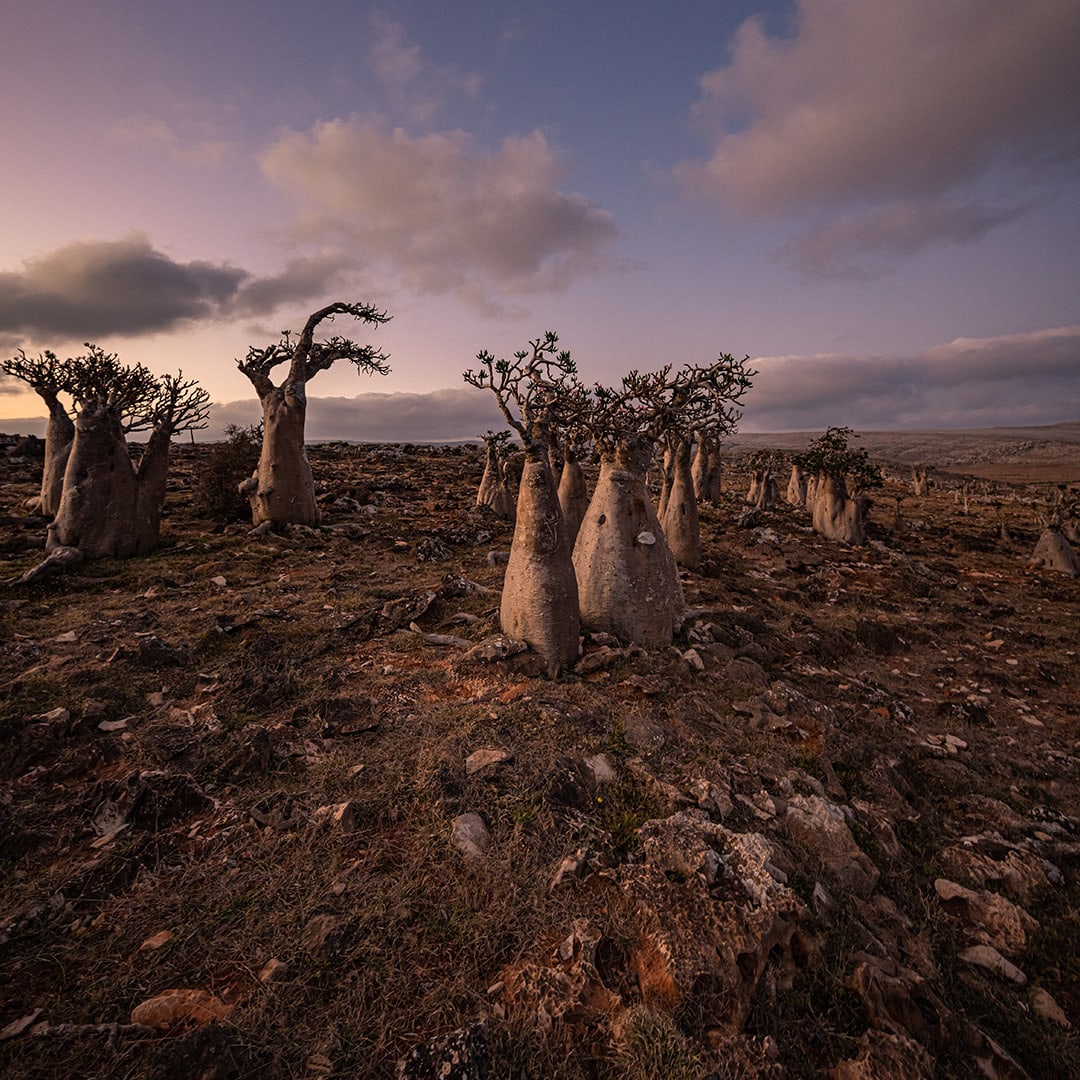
(539, 595)
(110, 507)
(45, 375)
(627, 578)
(841, 476)
(282, 490)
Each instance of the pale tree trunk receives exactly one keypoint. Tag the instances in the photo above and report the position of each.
(59, 435)
(285, 491)
(152, 474)
(708, 472)
(680, 523)
(699, 472)
(628, 583)
(573, 493)
(540, 596)
(837, 514)
(98, 504)
(714, 477)
(796, 489)
(811, 492)
(665, 483)
(493, 492)
(919, 482)
(1053, 552)
(764, 493)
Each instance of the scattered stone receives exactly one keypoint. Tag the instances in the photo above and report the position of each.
(601, 768)
(342, 816)
(492, 649)
(993, 920)
(819, 826)
(570, 867)
(480, 760)
(457, 1055)
(156, 941)
(320, 930)
(1046, 1007)
(176, 1006)
(470, 835)
(988, 958)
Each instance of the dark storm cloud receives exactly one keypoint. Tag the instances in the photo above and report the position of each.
(91, 289)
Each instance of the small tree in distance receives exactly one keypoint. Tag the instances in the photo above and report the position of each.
(46, 375)
(842, 474)
(282, 490)
(493, 491)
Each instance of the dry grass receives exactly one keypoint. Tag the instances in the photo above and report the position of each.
(289, 689)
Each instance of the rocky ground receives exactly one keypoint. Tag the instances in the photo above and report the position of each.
(267, 811)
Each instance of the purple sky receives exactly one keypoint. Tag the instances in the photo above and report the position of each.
(879, 203)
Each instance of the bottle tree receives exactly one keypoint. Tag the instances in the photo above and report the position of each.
(628, 581)
(539, 604)
(45, 375)
(283, 491)
(110, 505)
(838, 477)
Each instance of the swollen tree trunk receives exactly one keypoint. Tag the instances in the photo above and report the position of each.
(665, 482)
(699, 471)
(573, 493)
(837, 514)
(59, 435)
(918, 481)
(628, 583)
(285, 491)
(100, 491)
(682, 528)
(796, 489)
(540, 596)
(764, 493)
(707, 471)
(152, 474)
(493, 492)
(1053, 552)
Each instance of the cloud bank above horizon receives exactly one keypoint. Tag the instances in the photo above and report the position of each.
(966, 383)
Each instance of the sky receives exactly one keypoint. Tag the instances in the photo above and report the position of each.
(878, 203)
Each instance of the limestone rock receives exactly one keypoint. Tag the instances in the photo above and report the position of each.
(470, 835)
(884, 1056)
(1044, 1004)
(488, 758)
(713, 913)
(819, 826)
(457, 1055)
(988, 958)
(993, 920)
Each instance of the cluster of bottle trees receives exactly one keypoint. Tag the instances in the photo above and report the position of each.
(103, 501)
(609, 562)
